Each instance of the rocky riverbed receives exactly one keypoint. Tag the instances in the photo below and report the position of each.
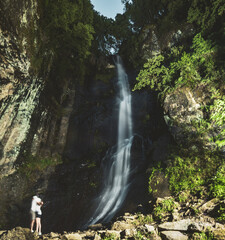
(178, 223)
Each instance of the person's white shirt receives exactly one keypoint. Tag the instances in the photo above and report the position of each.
(34, 203)
(38, 207)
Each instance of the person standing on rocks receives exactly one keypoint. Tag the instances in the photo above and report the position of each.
(33, 211)
(38, 215)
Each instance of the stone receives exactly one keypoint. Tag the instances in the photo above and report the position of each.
(160, 186)
(72, 236)
(121, 226)
(200, 226)
(219, 234)
(17, 233)
(129, 233)
(176, 215)
(53, 235)
(181, 225)
(113, 233)
(150, 228)
(2, 232)
(182, 107)
(97, 237)
(209, 206)
(173, 235)
(97, 226)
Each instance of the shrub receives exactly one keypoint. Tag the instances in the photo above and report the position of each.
(32, 164)
(165, 73)
(163, 208)
(218, 185)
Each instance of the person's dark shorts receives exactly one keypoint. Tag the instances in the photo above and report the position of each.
(32, 215)
(38, 215)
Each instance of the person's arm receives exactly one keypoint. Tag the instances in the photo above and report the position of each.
(40, 203)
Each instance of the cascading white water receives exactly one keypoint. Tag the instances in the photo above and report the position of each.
(116, 178)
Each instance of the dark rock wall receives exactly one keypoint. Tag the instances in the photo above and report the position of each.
(28, 126)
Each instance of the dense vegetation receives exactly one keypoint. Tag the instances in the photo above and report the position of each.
(60, 40)
(191, 169)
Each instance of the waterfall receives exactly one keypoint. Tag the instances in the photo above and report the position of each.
(118, 158)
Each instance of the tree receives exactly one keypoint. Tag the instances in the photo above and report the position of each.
(66, 32)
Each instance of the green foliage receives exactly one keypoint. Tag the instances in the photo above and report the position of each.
(66, 33)
(218, 183)
(221, 212)
(206, 14)
(103, 37)
(217, 118)
(91, 164)
(139, 236)
(154, 75)
(163, 208)
(202, 236)
(110, 237)
(184, 68)
(185, 174)
(93, 184)
(32, 164)
(144, 219)
(153, 182)
(192, 172)
(218, 111)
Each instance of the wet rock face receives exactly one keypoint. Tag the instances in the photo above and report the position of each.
(27, 124)
(16, 14)
(182, 108)
(20, 94)
(19, 91)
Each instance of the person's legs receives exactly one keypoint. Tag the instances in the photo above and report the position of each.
(32, 224)
(37, 224)
(32, 214)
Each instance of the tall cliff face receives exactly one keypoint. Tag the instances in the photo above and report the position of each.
(28, 125)
(25, 121)
(20, 95)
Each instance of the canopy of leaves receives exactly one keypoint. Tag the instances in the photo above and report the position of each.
(168, 16)
(184, 68)
(66, 32)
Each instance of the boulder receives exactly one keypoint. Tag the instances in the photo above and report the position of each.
(53, 235)
(129, 233)
(149, 228)
(113, 233)
(97, 226)
(209, 206)
(121, 226)
(181, 225)
(72, 236)
(219, 234)
(109, 234)
(173, 235)
(182, 107)
(159, 185)
(200, 226)
(18, 233)
(97, 237)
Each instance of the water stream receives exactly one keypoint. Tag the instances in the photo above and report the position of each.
(117, 169)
